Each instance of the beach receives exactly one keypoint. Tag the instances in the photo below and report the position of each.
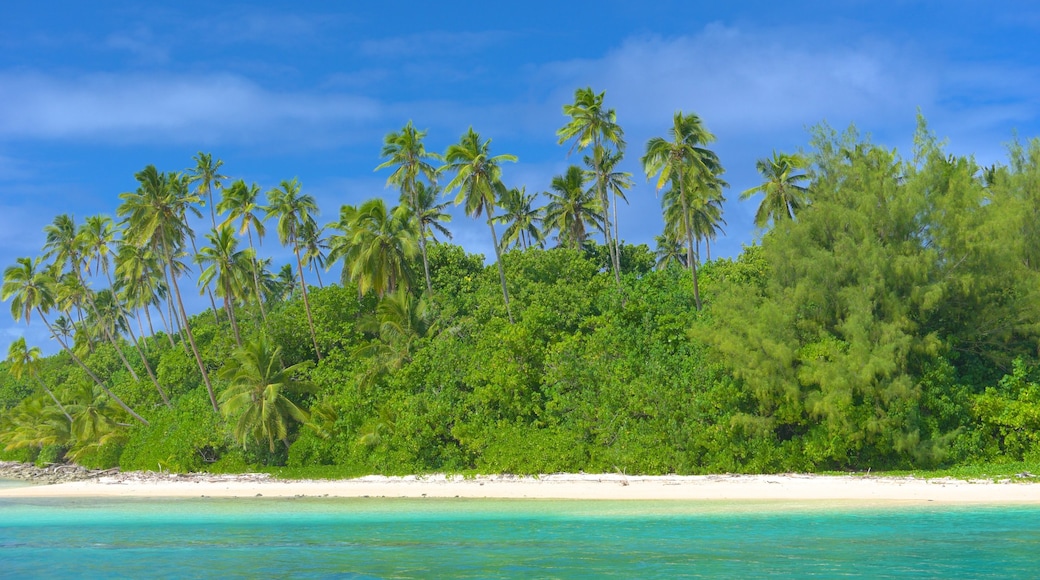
(783, 487)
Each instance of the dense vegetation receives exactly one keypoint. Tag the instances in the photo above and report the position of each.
(888, 318)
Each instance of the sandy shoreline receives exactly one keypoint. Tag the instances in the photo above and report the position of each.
(788, 487)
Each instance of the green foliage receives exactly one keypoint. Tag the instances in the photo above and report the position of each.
(184, 439)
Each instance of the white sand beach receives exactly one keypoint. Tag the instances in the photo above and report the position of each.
(786, 487)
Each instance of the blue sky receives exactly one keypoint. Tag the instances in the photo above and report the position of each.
(90, 93)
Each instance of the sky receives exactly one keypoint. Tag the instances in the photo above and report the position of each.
(91, 93)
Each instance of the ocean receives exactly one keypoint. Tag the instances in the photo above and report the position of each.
(467, 538)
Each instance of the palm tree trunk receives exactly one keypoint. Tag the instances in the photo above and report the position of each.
(425, 262)
(53, 398)
(108, 335)
(617, 243)
(307, 303)
(234, 323)
(689, 243)
(501, 269)
(256, 280)
(601, 190)
(89, 372)
(137, 344)
(191, 335)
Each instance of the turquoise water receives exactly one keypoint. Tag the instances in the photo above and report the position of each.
(401, 538)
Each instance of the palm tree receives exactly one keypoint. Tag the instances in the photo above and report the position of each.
(293, 211)
(376, 246)
(398, 323)
(314, 256)
(669, 250)
(685, 158)
(256, 396)
(29, 287)
(784, 197)
(592, 125)
(155, 218)
(571, 207)
(406, 152)
(240, 203)
(478, 178)
(98, 240)
(615, 182)
(229, 267)
(704, 204)
(206, 177)
(22, 360)
(523, 219)
(140, 284)
(428, 213)
(285, 282)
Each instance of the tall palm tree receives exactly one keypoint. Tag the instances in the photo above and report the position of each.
(571, 208)
(376, 246)
(293, 210)
(615, 182)
(593, 125)
(240, 203)
(478, 177)
(155, 218)
(227, 266)
(687, 159)
(206, 177)
(29, 287)
(523, 220)
(406, 152)
(22, 360)
(257, 394)
(783, 194)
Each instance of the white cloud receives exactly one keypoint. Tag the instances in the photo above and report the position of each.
(163, 108)
(431, 45)
(751, 81)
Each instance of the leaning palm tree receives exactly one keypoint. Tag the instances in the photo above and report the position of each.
(257, 397)
(294, 210)
(206, 177)
(687, 159)
(154, 215)
(572, 209)
(592, 125)
(478, 178)
(523, 220)
(784, 196)
(98, 239)
(239, 201)
(23, 359)
(29, 287)
(406, 152)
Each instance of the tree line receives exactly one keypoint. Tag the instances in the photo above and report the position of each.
(887, 318)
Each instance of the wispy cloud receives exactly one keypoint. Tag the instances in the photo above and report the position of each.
(748, 81)
(157, 108)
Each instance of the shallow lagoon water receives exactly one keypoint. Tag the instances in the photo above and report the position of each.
(467, 538)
